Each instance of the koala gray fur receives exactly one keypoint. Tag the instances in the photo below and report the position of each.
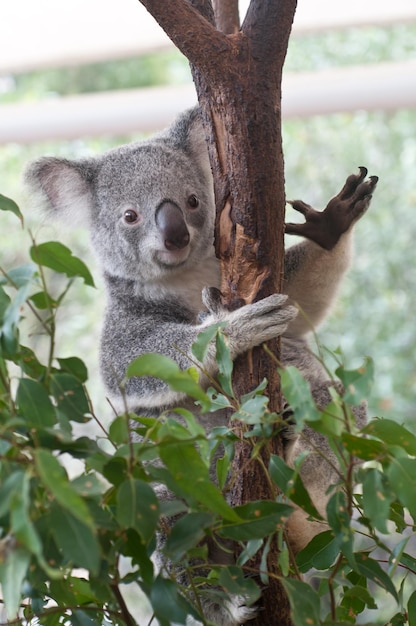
(150, 210)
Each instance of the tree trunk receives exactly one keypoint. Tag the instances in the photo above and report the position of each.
(238, 81)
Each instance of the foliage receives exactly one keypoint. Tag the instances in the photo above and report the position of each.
(64, 539)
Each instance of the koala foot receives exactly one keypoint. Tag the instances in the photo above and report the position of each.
(326, 227)
(233, 612)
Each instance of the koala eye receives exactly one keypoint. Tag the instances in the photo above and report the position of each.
(130, 216)
(193, 201)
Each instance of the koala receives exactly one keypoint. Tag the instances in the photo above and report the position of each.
(150, 210)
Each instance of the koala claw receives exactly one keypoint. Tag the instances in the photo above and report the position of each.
(326, 227)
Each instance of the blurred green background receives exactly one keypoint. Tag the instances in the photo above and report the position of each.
(375, 312)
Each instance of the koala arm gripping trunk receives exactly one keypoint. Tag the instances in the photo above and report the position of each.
(313, 268)
(128, 334)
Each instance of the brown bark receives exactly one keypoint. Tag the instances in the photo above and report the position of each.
(238, 81)
(227, 17)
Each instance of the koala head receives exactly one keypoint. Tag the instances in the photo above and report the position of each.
(149, 206)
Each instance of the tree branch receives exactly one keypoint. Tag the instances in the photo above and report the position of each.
(268, 24)
(192, 33)
(227, 17)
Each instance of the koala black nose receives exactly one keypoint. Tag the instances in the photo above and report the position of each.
(172, 226)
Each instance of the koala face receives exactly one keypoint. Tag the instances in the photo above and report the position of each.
(153, 211)
(149, 206)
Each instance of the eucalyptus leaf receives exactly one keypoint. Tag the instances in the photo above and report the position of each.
(76, 539)
(59, 258)
(372, 570)
(290, 483)
(357, 383)
(56, 481)
(137, 507)
(70, 397)
(234, 582)
(192, 475)
(307, 611)
(225, 364)
(411, 609)
(320, 552)
(168, 604)
(393, 434)
(187, 533)
(260, 518)
(339, 520)
(7, 204)
(297, 392)
(34, 404)
(202, 343)
(164, 368)
(13, 571)
(402, 476)
(377, 497)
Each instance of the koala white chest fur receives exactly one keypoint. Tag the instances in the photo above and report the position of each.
(150, 211)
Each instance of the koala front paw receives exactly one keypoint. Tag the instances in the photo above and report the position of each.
(326, 227)
(254, 324)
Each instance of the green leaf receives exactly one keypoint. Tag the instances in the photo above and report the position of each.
(4, 302)
(75, 366)
(377, 496)
(34, 404)
(305, 612)
(225, 364)
(88, 485)
(367, 449)
(11, 487)
(320, 552)
(402, 476)
(250, 550)
(290, 483)
(201, 346)
(13, 569)
(253, 410)
(340, 522)
(81, 618)
(20, 276)
(168, 604)
(373, 571)
(192, 475)
(12, 316)
(260, 518)
(357, 383)
(42, 300)
(411, 609)
(392, 434)
(59, 258)
(56, 481)
(77, 540)
(356, 599)
(164, 368)
(70, 397)
(188, 531)
(298, 394)
(22, 526)
(137, 507)
(7, 204)
(29, 363)
(119, 430)
(234, 582)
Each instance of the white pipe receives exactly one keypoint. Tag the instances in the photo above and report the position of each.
(47, 33)
(387, 86)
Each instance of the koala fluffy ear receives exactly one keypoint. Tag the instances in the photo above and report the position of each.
(187, 133)
(63, 188)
